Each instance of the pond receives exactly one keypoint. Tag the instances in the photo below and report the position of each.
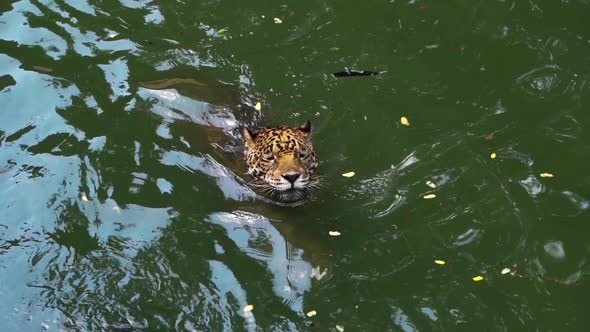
(124, 199)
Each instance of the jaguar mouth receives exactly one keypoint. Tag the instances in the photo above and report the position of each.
(289, 194)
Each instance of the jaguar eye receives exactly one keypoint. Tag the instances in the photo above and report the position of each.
(268, 157)
(302, 155)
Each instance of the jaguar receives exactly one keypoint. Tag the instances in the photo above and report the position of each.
(282, 161)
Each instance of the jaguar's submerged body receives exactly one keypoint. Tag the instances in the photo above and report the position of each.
(283, 161)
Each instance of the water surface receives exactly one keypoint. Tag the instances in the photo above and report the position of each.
(124, 203)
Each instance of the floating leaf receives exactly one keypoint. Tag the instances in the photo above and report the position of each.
(493, 155)
(429, 196)
(248, 308)
(340, 328)
(440, 262)
(505, 270)
(222, 31)
(278, 20)
(258, 106)
(431, 184)
(405, 121)
(43, 69)
(349, 174)
(477, 278)
(546, 175)
(311, 313)
(84, 198)
(334, 233)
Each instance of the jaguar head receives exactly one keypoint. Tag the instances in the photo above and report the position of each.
(283, 161)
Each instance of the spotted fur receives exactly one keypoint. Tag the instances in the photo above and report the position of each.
(282, 159)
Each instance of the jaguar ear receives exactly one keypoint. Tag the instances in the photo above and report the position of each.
(306, 127)
(249, 137)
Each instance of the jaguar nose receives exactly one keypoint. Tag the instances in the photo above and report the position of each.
(292, 177)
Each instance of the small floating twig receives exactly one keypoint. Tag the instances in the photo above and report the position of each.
(354, 72)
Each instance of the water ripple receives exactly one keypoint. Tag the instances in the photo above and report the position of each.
(123, 199)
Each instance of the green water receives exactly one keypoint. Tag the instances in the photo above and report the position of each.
(123, 199)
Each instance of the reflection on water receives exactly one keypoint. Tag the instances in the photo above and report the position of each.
(258, 239)
(123, 199)
(176, 107)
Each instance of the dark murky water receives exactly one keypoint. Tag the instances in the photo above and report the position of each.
(123, 200)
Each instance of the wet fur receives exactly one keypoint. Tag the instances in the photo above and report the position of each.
(274, 152)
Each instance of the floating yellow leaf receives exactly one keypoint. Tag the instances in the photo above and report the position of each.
(405, 121)
(505, 270)
(311, 313)
(278, 20)
(429, 196)
(340, 328)
(546, 175)
(349, 174)
(431, 184)
(440, 262)
(84, 198)
(43, 69)
(334, 233)
(477, 278)
(258, 106)
(493, 156)
(248, 308)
